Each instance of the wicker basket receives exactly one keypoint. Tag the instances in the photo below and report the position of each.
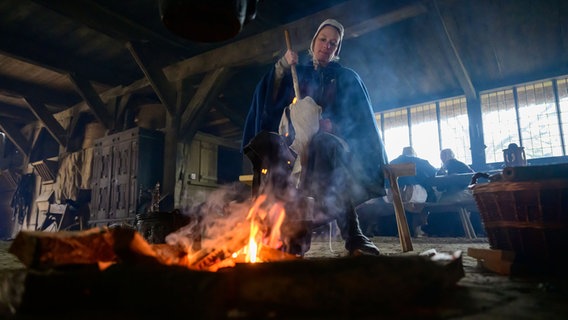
(527, 217)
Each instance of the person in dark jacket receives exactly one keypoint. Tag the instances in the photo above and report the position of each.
(343, 166)
(448, 223)
(451, 165)
(424, 171)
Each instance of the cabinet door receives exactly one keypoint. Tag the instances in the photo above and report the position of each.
(121, 175)
(134, 190)
(208, 163)
(101, 187)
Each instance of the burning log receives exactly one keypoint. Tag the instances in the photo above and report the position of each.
(103, 246)
(44, 250)
(229, 243)
(233, 242)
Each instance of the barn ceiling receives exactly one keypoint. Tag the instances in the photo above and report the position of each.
(109, 57)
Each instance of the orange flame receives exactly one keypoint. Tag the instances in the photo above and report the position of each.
(274, 218)
(253, 247)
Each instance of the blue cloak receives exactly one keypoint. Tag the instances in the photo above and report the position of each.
(345, 102)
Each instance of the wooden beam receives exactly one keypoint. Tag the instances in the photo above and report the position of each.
(185, 92)
(48, 55)
(16, 113)
(451, 51)
(93, 100)
(199, 106)
(228, 112)
(120, 113)
(47, 119)
(116, 26)
(17, 138)
(155, 75)
(49, 96)
(262, 48)
(217, 140)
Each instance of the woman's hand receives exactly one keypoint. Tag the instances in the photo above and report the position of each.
(291, 57)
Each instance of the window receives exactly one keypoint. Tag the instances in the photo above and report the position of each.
(528, 116)
(424, 132)
(420, 127)
(395, 132)
(563, 106)
(454, 127)
(538, 120)
(499, 123)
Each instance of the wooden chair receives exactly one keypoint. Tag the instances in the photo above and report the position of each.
(56, 217)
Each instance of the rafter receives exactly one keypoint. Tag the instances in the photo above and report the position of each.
(452, 53)
(47, 95)
(47, 119)
(17, 138)
(46, 55)
(92, 99)
(262, 48)
(199, 105)
(228, 112)
(108, 22)
(15, 112)
(163, 88)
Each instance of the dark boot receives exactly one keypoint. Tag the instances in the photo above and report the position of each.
(355, 241)
(328, 178)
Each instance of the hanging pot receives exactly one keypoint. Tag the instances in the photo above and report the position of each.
(207, 20)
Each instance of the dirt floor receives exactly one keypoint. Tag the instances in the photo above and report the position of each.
(480, 294)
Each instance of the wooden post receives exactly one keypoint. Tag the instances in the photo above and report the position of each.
(170, 158)
(293, 67)
(392, 172)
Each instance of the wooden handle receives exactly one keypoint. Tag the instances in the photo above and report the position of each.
(293, 67)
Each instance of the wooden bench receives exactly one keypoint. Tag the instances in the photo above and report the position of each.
(462, 208)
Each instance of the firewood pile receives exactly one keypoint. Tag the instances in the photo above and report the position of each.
(100, 271)
(104, 247)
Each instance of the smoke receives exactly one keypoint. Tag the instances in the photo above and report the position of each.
(223, 209)
(224, 215)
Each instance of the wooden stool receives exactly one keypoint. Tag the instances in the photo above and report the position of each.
(392, 172)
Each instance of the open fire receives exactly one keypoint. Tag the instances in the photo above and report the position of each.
(265, 222)
(261, 241)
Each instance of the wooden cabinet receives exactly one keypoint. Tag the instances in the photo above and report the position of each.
(203, 164)
(125, 165)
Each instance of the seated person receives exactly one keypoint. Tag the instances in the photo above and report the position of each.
(448, 223)
(415, 188)
(450, 166)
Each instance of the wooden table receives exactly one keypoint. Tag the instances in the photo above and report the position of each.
(462, 208)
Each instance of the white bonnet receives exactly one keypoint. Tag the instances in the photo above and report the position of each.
(334, 23)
